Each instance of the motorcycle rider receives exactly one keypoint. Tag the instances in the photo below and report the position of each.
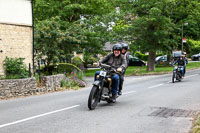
(186, 61)
(124, 52)
(181, 62)
(115, 60)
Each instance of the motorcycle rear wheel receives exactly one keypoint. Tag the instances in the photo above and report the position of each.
(93, 98)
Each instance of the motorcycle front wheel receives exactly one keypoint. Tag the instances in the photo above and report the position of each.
(179, 77)
(93, 98)
(174, 77)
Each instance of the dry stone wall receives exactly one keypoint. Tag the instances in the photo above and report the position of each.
(17, 87)
(51, 83)
(25, 87)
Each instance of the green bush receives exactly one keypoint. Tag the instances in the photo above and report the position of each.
(15, 68)
(2, 77)
(89, 59)
(68, 68)
(195, 47)
(141, 56)
(77, 61)
(62, 68)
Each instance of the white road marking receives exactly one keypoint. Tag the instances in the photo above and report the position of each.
(155, 86)
(187, 77)
(125, 93)
(37, 116)
(191, 75)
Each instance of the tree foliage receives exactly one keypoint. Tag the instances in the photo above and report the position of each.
(156, 25)
(62, 27)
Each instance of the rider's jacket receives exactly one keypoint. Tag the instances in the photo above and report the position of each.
(127, 58)
(186, 60)
(180, 62)
(115, 62)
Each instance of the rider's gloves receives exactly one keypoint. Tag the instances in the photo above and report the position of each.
(119, 69)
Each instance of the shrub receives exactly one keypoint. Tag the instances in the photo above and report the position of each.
(61, 68)
(2, 77)
(141, 56)
(77, 61)
(194, 47)
(89, 59)
(15, 68)
(67, 68)
(73, 82)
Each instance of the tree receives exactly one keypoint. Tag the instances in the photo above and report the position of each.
(156, 25)
(52, 43)
(62, 27)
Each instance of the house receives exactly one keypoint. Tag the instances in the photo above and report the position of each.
(16, 31)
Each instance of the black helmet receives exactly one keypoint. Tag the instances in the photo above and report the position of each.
(117, 47)
(124, 46)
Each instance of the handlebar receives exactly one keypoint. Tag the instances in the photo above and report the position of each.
(111, 69)
(105, 65)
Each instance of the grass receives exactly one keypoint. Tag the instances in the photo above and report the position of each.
(135, 70)
(196, 125)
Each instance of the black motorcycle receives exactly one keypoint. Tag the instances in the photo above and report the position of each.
(101, 90)
(177, 74)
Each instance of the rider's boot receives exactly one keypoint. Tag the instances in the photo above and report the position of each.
(120, 88)
(114, 96)
(120, 92)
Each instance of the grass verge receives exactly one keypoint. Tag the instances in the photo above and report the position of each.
(139, 71)
(196, 125)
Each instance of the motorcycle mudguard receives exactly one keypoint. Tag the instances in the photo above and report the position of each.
(96, 83)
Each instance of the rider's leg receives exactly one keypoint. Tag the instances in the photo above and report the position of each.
(121, 85)
(115, 85)
(182, 71)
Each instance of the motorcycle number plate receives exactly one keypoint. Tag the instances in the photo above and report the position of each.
(102, 73)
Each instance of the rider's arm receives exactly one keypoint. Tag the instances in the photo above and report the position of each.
(124, 63)
(105, 59)
(186, 60)
(174, 62)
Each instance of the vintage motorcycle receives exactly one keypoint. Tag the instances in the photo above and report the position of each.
(177, 74)
(101, 90)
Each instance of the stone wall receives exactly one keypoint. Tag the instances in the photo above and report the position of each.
(25, 87)
(51, 83)
(17, 87)
(15, 41)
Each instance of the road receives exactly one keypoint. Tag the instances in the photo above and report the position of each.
(149, 104)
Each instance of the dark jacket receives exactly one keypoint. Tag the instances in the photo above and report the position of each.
(115, 62)
(127, 58)
(186, 60)
(180, 62)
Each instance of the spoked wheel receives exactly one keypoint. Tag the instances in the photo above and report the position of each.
(93, 98)
(173, 78)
